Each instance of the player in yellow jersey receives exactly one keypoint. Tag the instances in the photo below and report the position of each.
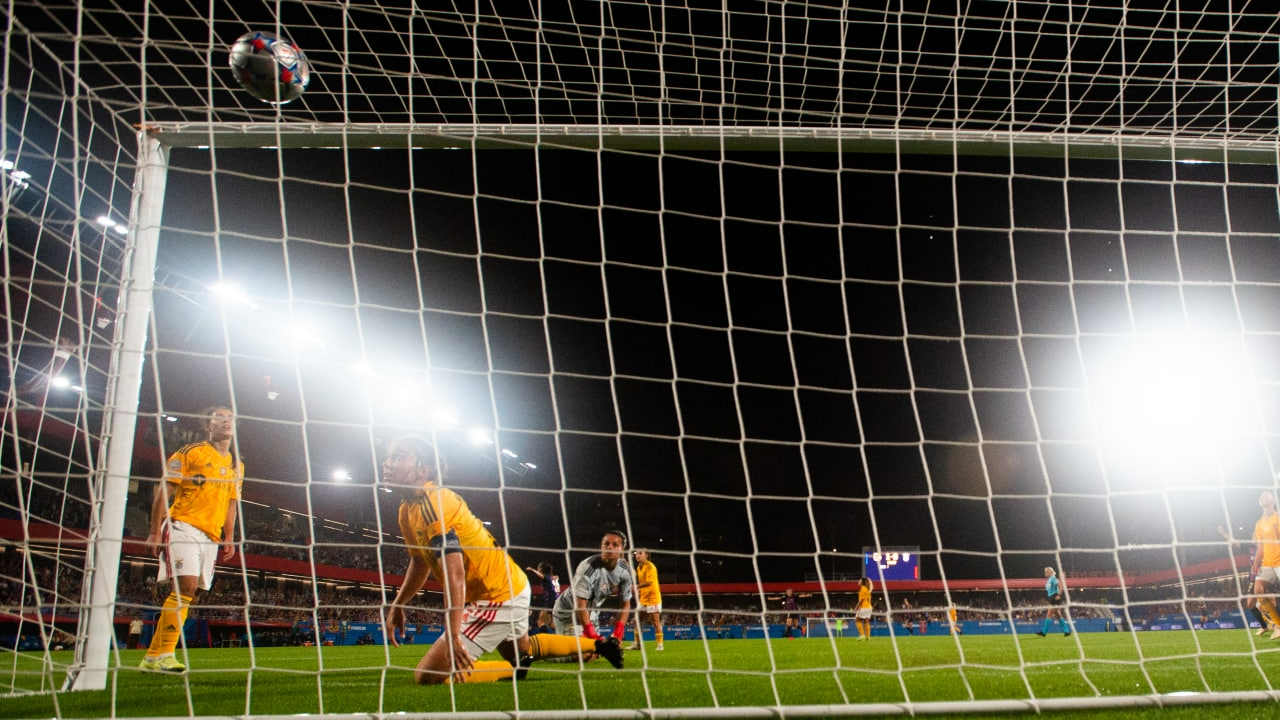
(649, 598)
(198, 529)
(486, 593)
(863, 614)
(1266, 533)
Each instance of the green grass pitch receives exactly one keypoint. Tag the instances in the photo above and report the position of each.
(717, 673)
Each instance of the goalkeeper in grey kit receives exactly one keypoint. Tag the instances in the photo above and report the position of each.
(599, 580)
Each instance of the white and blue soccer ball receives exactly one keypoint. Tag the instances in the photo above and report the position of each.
(272, 69)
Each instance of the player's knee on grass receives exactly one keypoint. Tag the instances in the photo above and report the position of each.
(424, 676)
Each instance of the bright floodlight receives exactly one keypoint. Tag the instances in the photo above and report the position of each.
(230, 294)
(304, 336)
(479, 436)
(1171, 395)
(341, 475)
(444, 416)
(60, 382)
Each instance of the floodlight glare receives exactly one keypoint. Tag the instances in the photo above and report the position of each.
(479, 436)
(1172, 396)
(444, 416)
(231, 294)
(305, 336)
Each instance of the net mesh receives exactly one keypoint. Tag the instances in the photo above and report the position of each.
(766, 287)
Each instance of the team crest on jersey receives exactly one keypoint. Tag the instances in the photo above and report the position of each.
(175, 464)
(222, 471)
(177, 564)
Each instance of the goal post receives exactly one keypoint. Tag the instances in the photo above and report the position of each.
(105, 541)
(480, 136)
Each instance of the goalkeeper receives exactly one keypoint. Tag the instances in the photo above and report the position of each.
(601, 579)
(486, 593)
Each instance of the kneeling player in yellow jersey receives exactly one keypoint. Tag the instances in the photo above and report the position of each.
(486, 593)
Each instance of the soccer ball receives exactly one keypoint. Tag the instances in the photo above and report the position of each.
(272, 69)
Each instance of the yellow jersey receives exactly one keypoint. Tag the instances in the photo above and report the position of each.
(1267, 534)
(864, 597)
(651, 594)
(207, 483)
(437, 520)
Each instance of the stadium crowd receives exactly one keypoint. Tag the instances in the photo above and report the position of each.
(276, 604)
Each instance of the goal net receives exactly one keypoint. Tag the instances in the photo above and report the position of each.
(778, 290)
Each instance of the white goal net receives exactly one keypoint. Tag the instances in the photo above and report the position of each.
(779, 289)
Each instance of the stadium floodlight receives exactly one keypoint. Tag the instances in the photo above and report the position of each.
(444, 416)
(363, 369)
(231, 295)
(305, 336)
(1171, 400)
(341, 475)
(479, 436)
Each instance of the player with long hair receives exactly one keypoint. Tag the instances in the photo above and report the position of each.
(1266, 558)
(1057, 598)
(600, 580)
(486, 594)
(648, 597)
(193, 525)
(862, 616)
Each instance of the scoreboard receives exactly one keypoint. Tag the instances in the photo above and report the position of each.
(891, 564)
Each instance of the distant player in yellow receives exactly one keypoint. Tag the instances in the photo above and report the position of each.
(862, 614)
(648, 597)
(486, 593)
(203, 479)
(1266, 533)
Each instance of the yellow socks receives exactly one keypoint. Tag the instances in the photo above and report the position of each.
(169, 625)
(1268, 608)
(544, 645)
(487, 671)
